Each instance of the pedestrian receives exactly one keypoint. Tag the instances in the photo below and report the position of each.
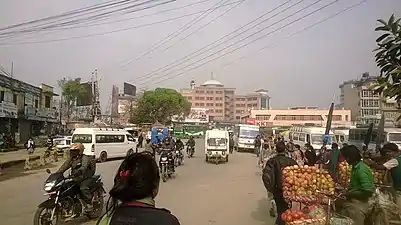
(272, 179)
(148, 146)
(257, 144)
(334, 158)
(297, 155)
(132, 198)
(360, 189)
(140, 140)
(310, 155)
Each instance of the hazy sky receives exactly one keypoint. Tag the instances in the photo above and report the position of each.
(305, 69)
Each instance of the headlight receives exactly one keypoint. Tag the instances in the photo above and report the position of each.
(209, 152)
(164, 158)
(49, 186)
(177, 152)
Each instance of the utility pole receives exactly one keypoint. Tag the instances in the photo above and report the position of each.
(95, 96)
(12, 70)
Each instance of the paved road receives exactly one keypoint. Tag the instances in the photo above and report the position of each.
(200, 194)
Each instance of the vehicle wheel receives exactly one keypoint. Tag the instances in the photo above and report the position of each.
(98, 203)
(42, 217)
(206, 159)
(164, 177)
(226, 158)
(130, 152)
(103, 156)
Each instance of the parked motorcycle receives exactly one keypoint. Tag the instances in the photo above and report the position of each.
(64, 202)
(190, 151)
(166, 164)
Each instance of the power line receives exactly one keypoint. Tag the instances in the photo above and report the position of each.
(96, 6)
(137, 17)
(206, 48)
(131, 18)
(246, 44)
(205, 25)
(79, 37)
(81, 20)
(300, 31)
(176, 33)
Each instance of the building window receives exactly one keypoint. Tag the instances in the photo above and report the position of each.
(15, 99)
(202, 104)
(237, 117)
(189, 97)
(346, 118)
(1, 96)
(47, 102)
(36, 103)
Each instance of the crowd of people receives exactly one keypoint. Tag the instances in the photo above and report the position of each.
(357, 204)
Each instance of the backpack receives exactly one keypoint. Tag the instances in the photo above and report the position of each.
(269, 176)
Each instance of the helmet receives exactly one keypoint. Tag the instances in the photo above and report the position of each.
(76, 149)
(191, 137)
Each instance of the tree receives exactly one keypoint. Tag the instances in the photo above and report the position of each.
(160, 105)
(388, 59)
(71, 89)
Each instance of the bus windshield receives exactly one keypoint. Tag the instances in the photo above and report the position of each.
(317, 139)
(82, 138)
(217, 142)
(394, 137)
(244, 133)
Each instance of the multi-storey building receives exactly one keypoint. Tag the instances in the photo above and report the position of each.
(222, 102)
(366, 106)
(26, 110)
(300, 116)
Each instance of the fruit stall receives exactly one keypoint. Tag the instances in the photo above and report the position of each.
(314, 189)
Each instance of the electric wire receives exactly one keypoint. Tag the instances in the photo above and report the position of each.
(80, 20)
(73, 12)
(123, 20)
(175, 33)
(211, 45)
(298, 32)
(84, 36)
(164, 78)
(205, 25)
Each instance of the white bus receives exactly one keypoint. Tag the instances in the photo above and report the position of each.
(342, 135)
(105, 143)
(246, 136)
(357, 137)
(313, 135)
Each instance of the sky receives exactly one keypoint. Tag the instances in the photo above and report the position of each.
(301, 69)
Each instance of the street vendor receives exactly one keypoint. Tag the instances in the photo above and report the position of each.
(361, 186)
(393, 165)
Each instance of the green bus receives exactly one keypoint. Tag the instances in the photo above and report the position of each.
(184, 131)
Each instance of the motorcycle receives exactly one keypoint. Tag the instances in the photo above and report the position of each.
(166, 164)
(190, 151)
(64, 202)
(179, 157)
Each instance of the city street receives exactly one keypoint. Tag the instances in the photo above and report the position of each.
(200, 193)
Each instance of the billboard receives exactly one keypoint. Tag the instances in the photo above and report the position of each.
(87, 97)
(197, 115)
(129, 89)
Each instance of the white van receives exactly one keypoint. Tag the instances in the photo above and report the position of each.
(314, 135)
(105, 143)
(216, 145)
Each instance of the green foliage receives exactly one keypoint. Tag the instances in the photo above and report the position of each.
(71, 89)
(387, 56)
(160, 105)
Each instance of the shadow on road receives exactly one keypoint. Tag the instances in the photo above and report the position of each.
(18, 171)
(262, 212)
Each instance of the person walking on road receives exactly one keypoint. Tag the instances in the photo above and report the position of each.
(132, 198)
(271, 177)
(258, 143)
(140, 140)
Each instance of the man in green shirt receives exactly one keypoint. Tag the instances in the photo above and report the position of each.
(393, 165)
(361, 186)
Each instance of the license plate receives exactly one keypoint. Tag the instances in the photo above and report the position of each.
(163, 162)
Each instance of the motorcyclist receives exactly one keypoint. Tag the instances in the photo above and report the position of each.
(191, 143)
(179, 145)
(49, 142)
(83, 167)
(166, 146)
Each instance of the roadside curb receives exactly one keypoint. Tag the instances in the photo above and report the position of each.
(11, 163)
